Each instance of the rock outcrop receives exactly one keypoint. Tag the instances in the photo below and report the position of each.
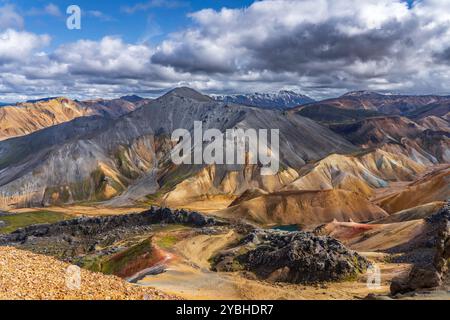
(434, 273)
(294, 257)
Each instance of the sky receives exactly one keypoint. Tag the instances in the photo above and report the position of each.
(322, 48)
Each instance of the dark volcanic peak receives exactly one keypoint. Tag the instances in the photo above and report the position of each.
(132, 98)
(188, 93)
(282, 100)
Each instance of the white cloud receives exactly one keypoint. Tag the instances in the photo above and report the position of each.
(110, 57)
(9, 18)
(19, 45)
(107, 68)
(49, 10)
(52, 10)
(99, 15)
(144, 6)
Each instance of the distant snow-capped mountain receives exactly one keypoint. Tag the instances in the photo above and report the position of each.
(363, 93)
(281, 100)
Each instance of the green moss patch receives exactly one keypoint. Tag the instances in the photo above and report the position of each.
(130, 261)
(167, 241)
(21, 220)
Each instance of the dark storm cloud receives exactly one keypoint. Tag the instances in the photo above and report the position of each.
(191, 61)
(311, 48)
(443, 56)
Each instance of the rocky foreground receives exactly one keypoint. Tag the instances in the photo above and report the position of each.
(25, 275)
(39, 271)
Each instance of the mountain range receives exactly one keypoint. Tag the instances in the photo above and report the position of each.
(413, 106)
(66, 151)
(118, 150)
(363, 177)
(281, 100)
(97, 158)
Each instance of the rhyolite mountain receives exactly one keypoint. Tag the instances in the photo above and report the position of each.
(281, 100)
(127, 158)
(414, 126)
(27, 117)
(398, 135)
(413, 105)
(435, 123)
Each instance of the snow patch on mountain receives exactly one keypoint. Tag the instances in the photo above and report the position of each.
(281, 100)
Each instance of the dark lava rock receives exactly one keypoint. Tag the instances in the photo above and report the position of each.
(372, 296)
(433, 273)
(294, 257)
(2, 224)
(94, 226)
(166, 215)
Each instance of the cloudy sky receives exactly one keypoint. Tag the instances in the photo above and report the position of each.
(322, 48)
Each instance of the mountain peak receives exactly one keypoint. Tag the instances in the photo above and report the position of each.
(290, 92)
(362, 93)
(189, 93)
(132, 98)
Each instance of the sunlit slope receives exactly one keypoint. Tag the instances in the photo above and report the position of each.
(305, 208)
(432, 187)
(359, 173)
(28, 117)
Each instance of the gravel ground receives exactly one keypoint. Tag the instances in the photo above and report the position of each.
(25, 275)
